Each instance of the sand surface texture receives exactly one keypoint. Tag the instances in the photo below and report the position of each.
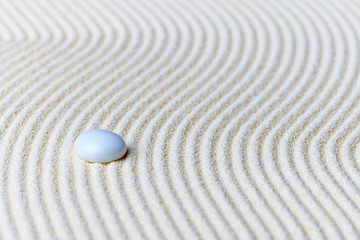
(242, 119)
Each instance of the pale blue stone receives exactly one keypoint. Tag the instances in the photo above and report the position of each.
(100, 146)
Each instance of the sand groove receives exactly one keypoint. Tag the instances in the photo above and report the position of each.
(242, 119)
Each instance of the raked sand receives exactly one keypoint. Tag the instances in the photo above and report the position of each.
(242, 119)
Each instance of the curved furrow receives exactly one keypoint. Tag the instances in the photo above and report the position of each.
(348, 191)
(53, 164)
(218, 103)
(283, 177)
(34, 203)
(347, 125)
(64, 109)
(229, 139)
(169, 227)
(85, 102)
(267, 74)
(300, 170)
(165, 98)
(180, 112)
(265, 131)
(26, 116)
(288, 167)
(166, 74)
(34, 55)
(217, 166)
(313, 121)
(213, 132)
(149, 68)
(260, 135)
(18, 170)
(237, 189)
(205, 122)
(97, 180)
(179, 134)
(7, 36)
(160, 162)
(35, 89)
(344, 142)
(316, 93)
(264, 139)
(52, 202)
(29, 111)
(101, 116)
(81, 185)
(293, 119)
(7, 219)
(189, 94)
(335, 113)
(41, 112)
(147, 132)
(3, 132)
(96, 115)
(241, 119)
(22, 45)
(174, 81)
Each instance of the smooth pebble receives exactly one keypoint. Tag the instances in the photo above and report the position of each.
(100, 146)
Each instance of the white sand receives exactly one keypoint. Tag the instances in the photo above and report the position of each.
(242, 119)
